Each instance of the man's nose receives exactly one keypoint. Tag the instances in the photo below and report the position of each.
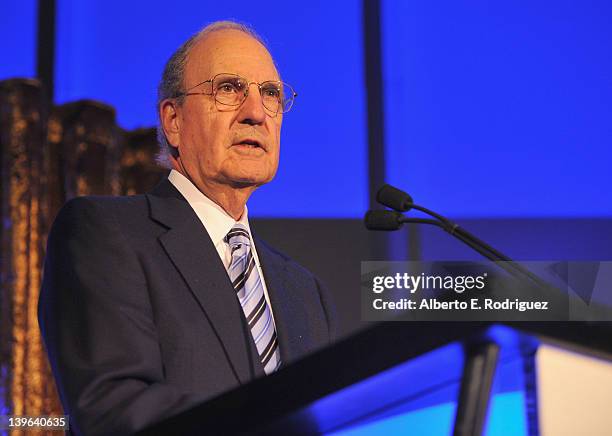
(252, 110)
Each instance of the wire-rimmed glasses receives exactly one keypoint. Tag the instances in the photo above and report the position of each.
(231, 90)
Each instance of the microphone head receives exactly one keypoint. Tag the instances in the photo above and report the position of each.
(383, 220)
(394, 198)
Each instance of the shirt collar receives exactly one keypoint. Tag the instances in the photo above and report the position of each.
(216, 221)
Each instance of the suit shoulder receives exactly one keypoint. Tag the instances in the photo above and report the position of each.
(96, 213)
(98, 206)
(106, 202)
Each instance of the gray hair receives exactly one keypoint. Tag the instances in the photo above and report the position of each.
(172, 80)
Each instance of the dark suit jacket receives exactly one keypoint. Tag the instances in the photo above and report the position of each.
(140, 319)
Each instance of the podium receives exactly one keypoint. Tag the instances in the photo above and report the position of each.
(428, 378)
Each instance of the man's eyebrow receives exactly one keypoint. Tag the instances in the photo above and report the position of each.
(232, 76)
(228, 75)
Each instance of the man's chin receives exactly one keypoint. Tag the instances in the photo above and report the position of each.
(242, 180)
(237, 184)
(246, 182)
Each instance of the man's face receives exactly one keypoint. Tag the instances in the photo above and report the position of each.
(211, 137)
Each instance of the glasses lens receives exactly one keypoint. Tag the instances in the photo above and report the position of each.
(288, 97)
(229, 89)
(277, 96)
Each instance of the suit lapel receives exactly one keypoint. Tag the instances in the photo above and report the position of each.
(291, 325)
(193, 254)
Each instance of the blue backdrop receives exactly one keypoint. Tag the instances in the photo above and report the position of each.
(18, 39)
(114, 51)
(492, 109)
(500, 109)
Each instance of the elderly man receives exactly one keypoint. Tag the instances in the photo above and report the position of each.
(153, 303)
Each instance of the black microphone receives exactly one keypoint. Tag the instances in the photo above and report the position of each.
(394, 198)
(401, 202)
(389, 220)
(385, 220)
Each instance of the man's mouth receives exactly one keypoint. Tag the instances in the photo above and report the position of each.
(251, 143)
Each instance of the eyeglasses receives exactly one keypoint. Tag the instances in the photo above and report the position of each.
(231, 90)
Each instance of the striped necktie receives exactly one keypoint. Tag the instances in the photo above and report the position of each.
(248, 286)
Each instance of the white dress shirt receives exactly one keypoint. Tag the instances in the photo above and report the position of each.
(216, 222)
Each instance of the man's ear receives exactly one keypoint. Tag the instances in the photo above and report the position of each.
(169, 116)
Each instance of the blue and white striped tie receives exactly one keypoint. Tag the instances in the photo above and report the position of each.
(249, 288)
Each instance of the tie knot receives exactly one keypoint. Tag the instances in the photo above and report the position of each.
(238, 235)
